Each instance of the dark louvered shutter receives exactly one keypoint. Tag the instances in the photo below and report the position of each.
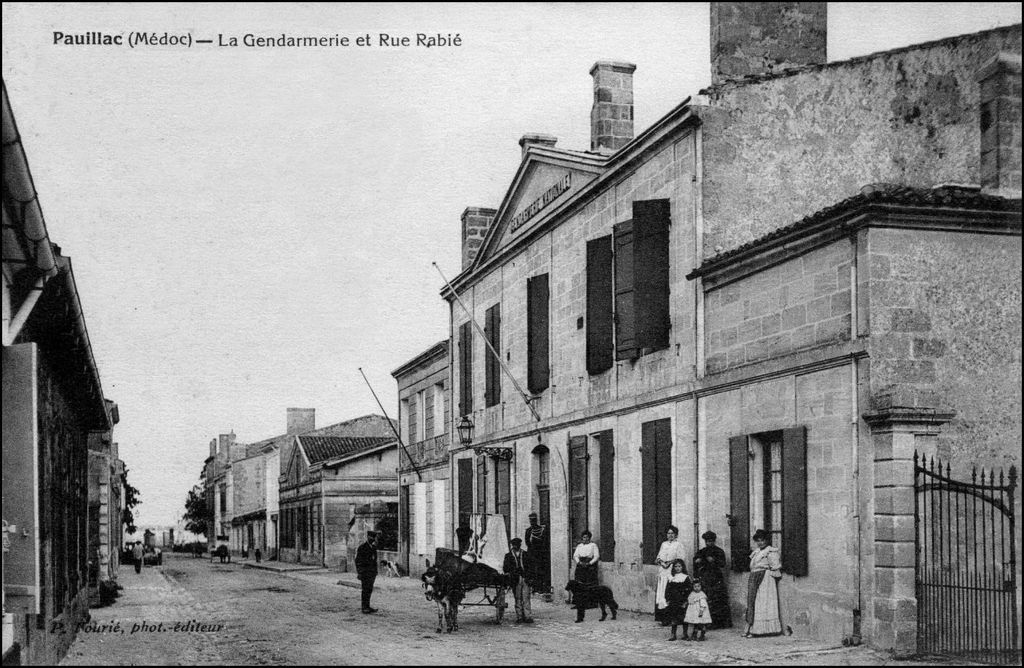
(794, 501)
(577, 486)
(600, 344)
(465, 491)
(656, 486)
(739, 503)
(465, 369)
(606, 485)
(537, 370)
(481, 485)
(651, 221)
(492, 367)
(625, 308)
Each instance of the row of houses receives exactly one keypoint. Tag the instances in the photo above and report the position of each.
(306, 496)
(755, 313)
(63, 479)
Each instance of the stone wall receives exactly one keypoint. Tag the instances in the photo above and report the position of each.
(909, 116)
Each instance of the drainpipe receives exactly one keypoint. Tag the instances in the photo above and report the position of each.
(855, 638)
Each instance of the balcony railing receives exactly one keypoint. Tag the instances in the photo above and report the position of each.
(426, 452)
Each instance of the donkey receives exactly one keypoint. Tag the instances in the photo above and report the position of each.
(441, 585)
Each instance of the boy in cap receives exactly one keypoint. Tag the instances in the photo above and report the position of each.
(518, 566)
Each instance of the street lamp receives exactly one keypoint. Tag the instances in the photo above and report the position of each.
(465, 428)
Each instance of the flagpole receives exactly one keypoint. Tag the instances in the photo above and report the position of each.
(397, 435)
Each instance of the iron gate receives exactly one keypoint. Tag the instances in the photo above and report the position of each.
(966, 580)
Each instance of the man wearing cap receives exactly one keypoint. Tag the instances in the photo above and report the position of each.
(517, 566)
(538, 546)
(366, 568)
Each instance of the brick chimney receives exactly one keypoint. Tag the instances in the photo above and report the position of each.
(1000, 80)
(611, 117)
(301, 420)
(533, 139)
(475, 221)
(765, 37)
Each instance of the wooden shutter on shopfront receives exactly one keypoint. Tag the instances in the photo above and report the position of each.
(465, 369)
(651, 220)
(625, 307)
(481, 484)
(739, 503)
(577, 487)
(656, 486)
(465, 491)
(600, 343)
(794, 501)
(492, 367)
(537, 341)
(606, 489)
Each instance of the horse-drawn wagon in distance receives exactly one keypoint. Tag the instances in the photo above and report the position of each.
(450, 579)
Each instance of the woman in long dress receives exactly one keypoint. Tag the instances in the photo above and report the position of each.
(709, 567)
(586, 557)
(763, 612)
(670, 550)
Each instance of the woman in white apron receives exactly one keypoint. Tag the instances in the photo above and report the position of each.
(670, 550)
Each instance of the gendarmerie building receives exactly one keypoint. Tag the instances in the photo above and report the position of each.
(751, 315)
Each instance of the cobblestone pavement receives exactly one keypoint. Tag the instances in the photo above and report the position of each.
(192, 611)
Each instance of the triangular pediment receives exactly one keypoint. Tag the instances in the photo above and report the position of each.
(297, 467)
(545, 181)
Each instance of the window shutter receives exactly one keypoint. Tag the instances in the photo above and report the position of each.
(503, 492)
(492, 367)
(465, 491)
(739, 503)
(651, 220)
(600, 344)
(625, 308)
(537, 305)
(465, 369)
(607, 491)
(577, 486)
(656, 486)
(794, 500)
(481, 485)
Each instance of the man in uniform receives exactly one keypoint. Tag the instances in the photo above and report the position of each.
(538, 545)
(366, 568)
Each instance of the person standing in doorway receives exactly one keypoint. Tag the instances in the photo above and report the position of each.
(518, 566)
(709, 566)
(138, 554)
(366, 569)
(538, 544)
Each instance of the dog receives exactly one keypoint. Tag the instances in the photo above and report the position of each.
(592, 596)
(389, 568)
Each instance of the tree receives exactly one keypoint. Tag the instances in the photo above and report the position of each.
(131, 500)
(196, 517)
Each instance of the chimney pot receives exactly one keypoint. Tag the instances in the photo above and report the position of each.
(611, 117)
(475, 222)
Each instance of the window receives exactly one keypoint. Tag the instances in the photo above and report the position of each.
(421, 417)
(537, 314)
(465, 369)
(656, 492)
(542, 462)
(503, 491)
(628, 287)
(492, 365)
(440, 426)
(406, 421)
(481, 485)
(768, 473)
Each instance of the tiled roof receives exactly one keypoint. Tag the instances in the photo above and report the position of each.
(948, 197)
(323, 448)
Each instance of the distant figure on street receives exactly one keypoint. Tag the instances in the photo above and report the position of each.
(518, 566)
(259, 555)
(366, 568)
(137, 555)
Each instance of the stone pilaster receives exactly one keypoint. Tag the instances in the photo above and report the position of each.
(896, 433)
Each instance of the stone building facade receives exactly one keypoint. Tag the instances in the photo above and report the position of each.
(739, 317)
(53, 403)
(106, 503)
(424, 510)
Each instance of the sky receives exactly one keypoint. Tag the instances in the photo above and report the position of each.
(250, 226)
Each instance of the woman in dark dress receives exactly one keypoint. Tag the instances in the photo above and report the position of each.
(709, 567)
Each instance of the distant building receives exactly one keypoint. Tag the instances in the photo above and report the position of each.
(424, 507)
(106, 503)
(332, 490)
(52, 404)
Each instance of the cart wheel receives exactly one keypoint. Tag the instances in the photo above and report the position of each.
(499, 605)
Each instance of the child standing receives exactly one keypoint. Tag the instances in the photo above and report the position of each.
(697, 612)
(677, 589)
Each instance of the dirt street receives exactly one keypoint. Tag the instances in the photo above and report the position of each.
(191, 611)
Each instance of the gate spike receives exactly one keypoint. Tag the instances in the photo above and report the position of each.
(1013, 477)
(974, 473)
